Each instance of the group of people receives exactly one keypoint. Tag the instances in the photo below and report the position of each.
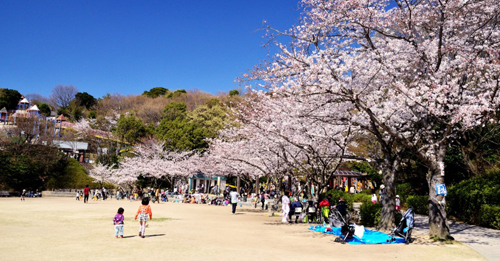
(293, 207)
(289, 208)
(197, 198)
(381, 192)
(97, 194)
(144, 213)
(30, 194)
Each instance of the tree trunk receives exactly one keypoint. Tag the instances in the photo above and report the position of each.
(438, 225)
(257, 192)
(238, 184)
(388, 200)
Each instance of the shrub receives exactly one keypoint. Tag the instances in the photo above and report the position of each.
(370, 214)
(368, 191)
(404, 190)
(397, 217)
(465, 200)
(348, 198)
(420, 204)
(337, 194)
(490, 216)
(74, 176)
(361, 197)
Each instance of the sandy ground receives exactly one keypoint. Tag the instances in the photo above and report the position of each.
(65, 229)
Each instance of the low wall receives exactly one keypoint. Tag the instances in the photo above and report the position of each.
(69, 193)
(49, 193)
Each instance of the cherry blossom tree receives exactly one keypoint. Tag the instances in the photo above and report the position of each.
(152, 160)
(102, 173)
(276, 138)
(420, 72)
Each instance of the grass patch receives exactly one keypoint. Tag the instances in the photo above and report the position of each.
(160, 219)
(442, 240)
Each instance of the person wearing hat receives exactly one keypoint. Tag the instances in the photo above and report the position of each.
(23, 194)
(398, 203)
(381, 192)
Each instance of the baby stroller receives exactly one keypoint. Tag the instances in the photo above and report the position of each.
(311, 211)
(336, 219)
(339, 215)
(405, 227)
(274, 205)
(298, 213)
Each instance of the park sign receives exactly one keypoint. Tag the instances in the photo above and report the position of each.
(441, 189)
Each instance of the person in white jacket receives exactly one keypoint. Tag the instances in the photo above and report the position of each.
(285, 207)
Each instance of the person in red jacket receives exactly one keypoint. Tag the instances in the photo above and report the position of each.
(325, 207)
(86, 192)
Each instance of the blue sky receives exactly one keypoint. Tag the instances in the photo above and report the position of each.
(128, 47)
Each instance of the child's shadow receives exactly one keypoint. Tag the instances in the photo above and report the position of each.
(155, 235)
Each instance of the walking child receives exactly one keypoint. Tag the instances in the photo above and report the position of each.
(118, 222)
(143, 212)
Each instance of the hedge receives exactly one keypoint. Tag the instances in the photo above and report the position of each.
(371, 213)
(404, 190)
(490, 216)
(337, 194)
(74, 177)
(471, 200)
(420, 204)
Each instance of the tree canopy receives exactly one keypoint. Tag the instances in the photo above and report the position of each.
(156, 92)
(9, 99)
(85, 99)
(130, 129)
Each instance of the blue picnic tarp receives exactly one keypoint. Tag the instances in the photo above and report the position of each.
(369, 236)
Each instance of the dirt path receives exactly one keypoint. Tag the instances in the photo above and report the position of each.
(63, 229)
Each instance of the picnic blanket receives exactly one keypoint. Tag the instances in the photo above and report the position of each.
(368, 237)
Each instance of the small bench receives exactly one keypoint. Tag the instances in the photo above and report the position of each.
(4, 193)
